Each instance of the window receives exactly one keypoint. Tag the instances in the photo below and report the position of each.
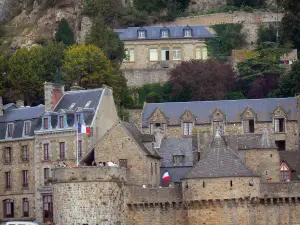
(164, 33)
(165, 54)
(8, 155)
(123, 163)
(25, 153)
(188, 33)
(62, 150)
(46, 151)
(47, 208)
(218, 126)
(46, 176)
(151, 128)
(10, 130)
(231, 183)
(27, 128)
(151, 169)
(203, 184)
(279, 125)
(8, 208)
(46, 125)
(176, 54)
(25, 207)
(141, 34)
(204, 53)
(155, 168)
(284, 176)
(7, 180)
(79, 148)
(25, 178)
(248, 126)
(178, 159)
(280, 145)
(198, 53)
(129, 55)
(153, 54)
(187, 129)
(78, 118)
(61, 121)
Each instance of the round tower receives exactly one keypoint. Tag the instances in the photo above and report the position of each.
(89, 195)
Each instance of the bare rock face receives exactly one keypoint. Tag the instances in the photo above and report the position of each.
(8, 8)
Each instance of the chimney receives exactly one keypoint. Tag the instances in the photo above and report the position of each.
(53, 93)
(20, 103)
(1, 106)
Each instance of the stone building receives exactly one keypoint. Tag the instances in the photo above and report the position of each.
(57, 140)
(17, 191)
(219, 189)
(230, 117)
(151, 51)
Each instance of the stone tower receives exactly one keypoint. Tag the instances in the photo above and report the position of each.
(89, 195)
(219, 178)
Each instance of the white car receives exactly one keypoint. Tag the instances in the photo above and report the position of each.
(21, 223)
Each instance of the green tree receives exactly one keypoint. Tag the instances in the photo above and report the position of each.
(30, 68)
(229, 37)
(65, 33)
(89, 68)
(106, 39)
(152, 97)
(289, 85)
(3, 73)
(235, 95)
(266, 33)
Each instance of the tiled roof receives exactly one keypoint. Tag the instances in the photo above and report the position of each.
(18, 116)
(220, 161)
(80, 99)
(256, 141)
(9, 106)
(154, 33)
(293, 160)
(138, 137)
(175, 146)
(233, 109)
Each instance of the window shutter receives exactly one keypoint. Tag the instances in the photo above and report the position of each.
(276, 121)
(153, 54)
(246, 126)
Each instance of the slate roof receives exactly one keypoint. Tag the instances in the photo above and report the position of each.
(233, 109)
(176, 146)
(256, 141)
(176, 174)
(220, 161)
(154, 33)
(9, 106)
(138, 137)
(293, 160)
(18, 116)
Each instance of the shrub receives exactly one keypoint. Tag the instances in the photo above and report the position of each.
(152, 97)
(65, 33)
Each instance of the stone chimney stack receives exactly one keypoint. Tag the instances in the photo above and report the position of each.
(1, 106)
(53, 93)
(20, 103)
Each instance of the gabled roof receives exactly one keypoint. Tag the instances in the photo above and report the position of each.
(220, 161)
(154, 33)
(9, 106)
(264, 109)
(292, 158)
(171, 146)
(139, 138)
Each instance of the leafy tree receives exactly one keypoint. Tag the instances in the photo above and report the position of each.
(266, 33)
(235, 95)
(288, 85)
(106, 39)
(89, 68)
(152, 97)
(201, 80)
(65, 33)
(229, 37)
(134, 18)
(30, 68)
(3, 73)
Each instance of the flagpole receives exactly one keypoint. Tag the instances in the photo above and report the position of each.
(77, 146)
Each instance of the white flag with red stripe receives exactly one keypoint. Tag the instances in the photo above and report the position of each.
(166, 177)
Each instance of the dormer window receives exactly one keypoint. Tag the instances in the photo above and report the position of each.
(279, 125)
(61, 121)
(87, 104)
(178, 159)
(10, 130)
(141, 34)
(45, 123)
(188, 32)
(164, 33)
(27, 126)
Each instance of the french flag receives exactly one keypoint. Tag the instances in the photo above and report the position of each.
(166, 177)
(83, 129)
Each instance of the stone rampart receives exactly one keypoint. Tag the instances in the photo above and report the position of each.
(280, 190)
(89, 195)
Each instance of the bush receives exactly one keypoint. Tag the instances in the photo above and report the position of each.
(65, 33)
(266, 34)
(235, 95)
(152, 97)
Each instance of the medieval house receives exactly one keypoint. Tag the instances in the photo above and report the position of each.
(152, 50)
